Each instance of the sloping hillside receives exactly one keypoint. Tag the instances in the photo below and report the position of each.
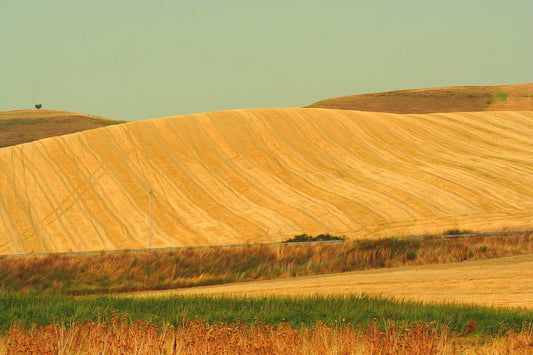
(501, 282)
(445, 99)
(265, 175)
(22, 126)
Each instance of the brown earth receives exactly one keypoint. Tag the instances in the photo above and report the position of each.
(443, 99)
(503, 282)
(22, 126)
(248, 176)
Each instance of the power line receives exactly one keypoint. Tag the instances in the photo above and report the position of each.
(150, 221)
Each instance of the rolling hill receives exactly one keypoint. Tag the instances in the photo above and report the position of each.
(22, 126)
(248, 176)
(443, 99)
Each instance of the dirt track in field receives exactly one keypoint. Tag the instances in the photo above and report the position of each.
(504, 282)
(264, 175)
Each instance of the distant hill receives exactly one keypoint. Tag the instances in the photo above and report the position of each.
(22, 126)
(442, 99)
(265, 175)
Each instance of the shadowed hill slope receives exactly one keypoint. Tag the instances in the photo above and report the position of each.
(22, 126)
(444, 99)
(264, 175)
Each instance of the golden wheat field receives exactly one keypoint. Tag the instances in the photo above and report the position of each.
(262, 175)
(502, 282)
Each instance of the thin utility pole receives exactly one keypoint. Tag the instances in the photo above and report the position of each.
(150, 222)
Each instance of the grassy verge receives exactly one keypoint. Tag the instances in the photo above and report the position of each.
(138, 271)
(297, 312)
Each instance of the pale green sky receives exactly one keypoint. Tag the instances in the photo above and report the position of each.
(136, 60)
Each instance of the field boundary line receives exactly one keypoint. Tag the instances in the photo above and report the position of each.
(165, 249)
(92, 252)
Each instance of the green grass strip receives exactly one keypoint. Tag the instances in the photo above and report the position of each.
(301, 311)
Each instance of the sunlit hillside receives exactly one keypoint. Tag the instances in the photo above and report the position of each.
(250, 176)
(22, 126)
(442, 99)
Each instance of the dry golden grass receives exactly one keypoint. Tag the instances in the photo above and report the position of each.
(443, 99)
(503, 282)
(156, 270)
(116, 336)
(23, 126)
(265, 175)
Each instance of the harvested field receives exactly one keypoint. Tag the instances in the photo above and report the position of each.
(264, 175)
(504, 282)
